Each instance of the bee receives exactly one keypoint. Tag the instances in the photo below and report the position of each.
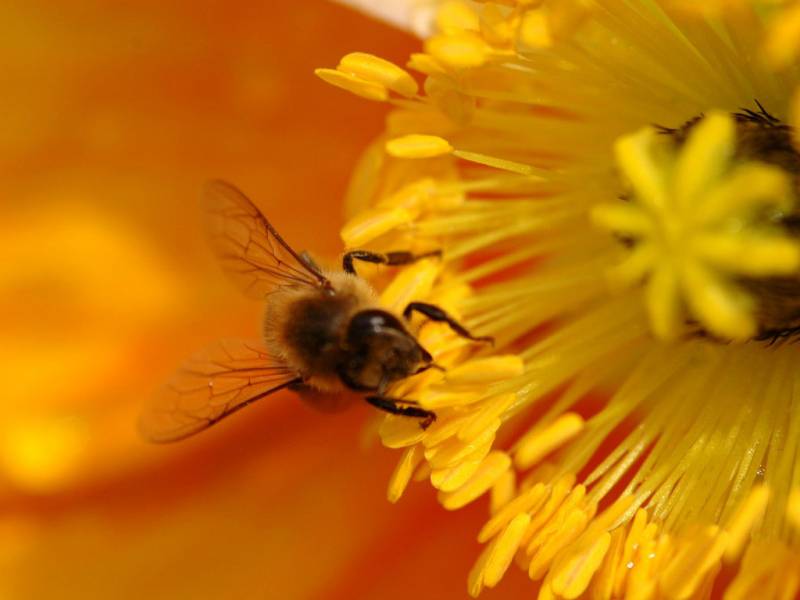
(324, 331)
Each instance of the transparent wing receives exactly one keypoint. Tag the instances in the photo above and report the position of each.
(215, 383)
(252, 253)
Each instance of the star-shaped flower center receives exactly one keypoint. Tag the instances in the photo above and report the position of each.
(702, 223)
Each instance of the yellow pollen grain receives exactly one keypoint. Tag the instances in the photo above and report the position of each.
(347, 81)
(503, 491)
(399, 432)
(486, 370)
(528, 501)
(418, 146)
(373, 223)
(382, 72)
(487, 417)
(463, 50)
(744, 520)
(573, 572)
(793, 508)
(536, 446)
(492, 467)
(505, 548)
(414, 282)
(401, 476)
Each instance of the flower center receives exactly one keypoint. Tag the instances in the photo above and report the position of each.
(711, 226)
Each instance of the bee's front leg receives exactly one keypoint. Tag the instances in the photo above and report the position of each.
(434, 313)
(406, 408)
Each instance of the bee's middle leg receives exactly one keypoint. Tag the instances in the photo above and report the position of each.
(406, 408)
(393, 259)
(434, 313)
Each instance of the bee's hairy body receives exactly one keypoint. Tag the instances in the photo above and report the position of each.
(340, 338)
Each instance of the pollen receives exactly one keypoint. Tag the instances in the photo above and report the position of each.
(354, 84)
(418, 146)
(382, 72)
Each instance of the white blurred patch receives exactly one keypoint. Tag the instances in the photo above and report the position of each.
(414, 16)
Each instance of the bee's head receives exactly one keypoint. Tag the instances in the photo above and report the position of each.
(379, 351)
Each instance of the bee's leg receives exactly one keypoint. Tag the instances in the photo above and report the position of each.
(398, 406)
(389, 258)
(434, 313)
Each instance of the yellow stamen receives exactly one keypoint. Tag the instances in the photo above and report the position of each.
(401, 476)
(492, 467)
(497, 163)
(503, 491)
(399, 432)
(461, 50)
(433, 399)
(487, 417)
(413, 282)
(528, 501)
(782, 42)
(450, 479)
(425, 63)
(744, 520)
(451, 451)
(373, 223)
(418, 146)
(535, 446)
(573, 572)
(506, 545)
(567, 532)
(382, 72)
(454, 16)
(793, 508)
(684, 574)
(352, 83)
(486, 370)
(534, 30)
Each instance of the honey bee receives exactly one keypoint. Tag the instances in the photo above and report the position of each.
(324, 331)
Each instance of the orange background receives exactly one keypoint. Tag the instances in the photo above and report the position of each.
(113, 115)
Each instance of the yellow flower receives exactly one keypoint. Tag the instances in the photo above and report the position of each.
(628, 448)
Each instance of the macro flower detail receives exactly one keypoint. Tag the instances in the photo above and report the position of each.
(696, 221)
(626, 448)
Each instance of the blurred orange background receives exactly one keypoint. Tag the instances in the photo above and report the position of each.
(113, 115)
